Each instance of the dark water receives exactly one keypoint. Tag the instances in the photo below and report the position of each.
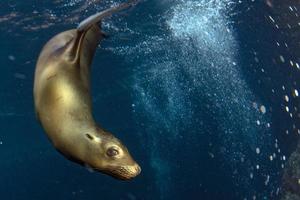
(204, 94)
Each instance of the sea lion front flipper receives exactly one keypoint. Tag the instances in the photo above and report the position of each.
(91, 21)
(96, 18)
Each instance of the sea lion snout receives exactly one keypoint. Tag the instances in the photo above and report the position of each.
(126, 172)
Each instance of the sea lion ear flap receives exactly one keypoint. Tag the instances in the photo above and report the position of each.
(89, 136)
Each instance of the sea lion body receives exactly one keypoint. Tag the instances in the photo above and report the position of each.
(63, 104)
(61, 91)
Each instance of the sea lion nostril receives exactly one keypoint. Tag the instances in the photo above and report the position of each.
(138, 169)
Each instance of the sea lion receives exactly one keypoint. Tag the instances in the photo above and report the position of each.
(63, 101)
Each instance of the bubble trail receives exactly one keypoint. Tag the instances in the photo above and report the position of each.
(198, 58)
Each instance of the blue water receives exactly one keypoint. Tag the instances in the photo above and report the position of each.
(202, 92)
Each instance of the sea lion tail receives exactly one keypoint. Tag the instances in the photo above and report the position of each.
(88, 22)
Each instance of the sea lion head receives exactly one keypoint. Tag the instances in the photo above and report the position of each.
(108, 155)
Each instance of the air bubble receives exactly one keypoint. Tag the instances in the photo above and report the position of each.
(286, 98)
(257, 150)
(287, 109)
(295, 93)
(282, 59)
(262, 109)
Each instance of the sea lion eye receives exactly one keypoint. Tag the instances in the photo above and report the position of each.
(111, 152)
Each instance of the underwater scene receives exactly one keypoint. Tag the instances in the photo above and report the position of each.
(194, 99)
